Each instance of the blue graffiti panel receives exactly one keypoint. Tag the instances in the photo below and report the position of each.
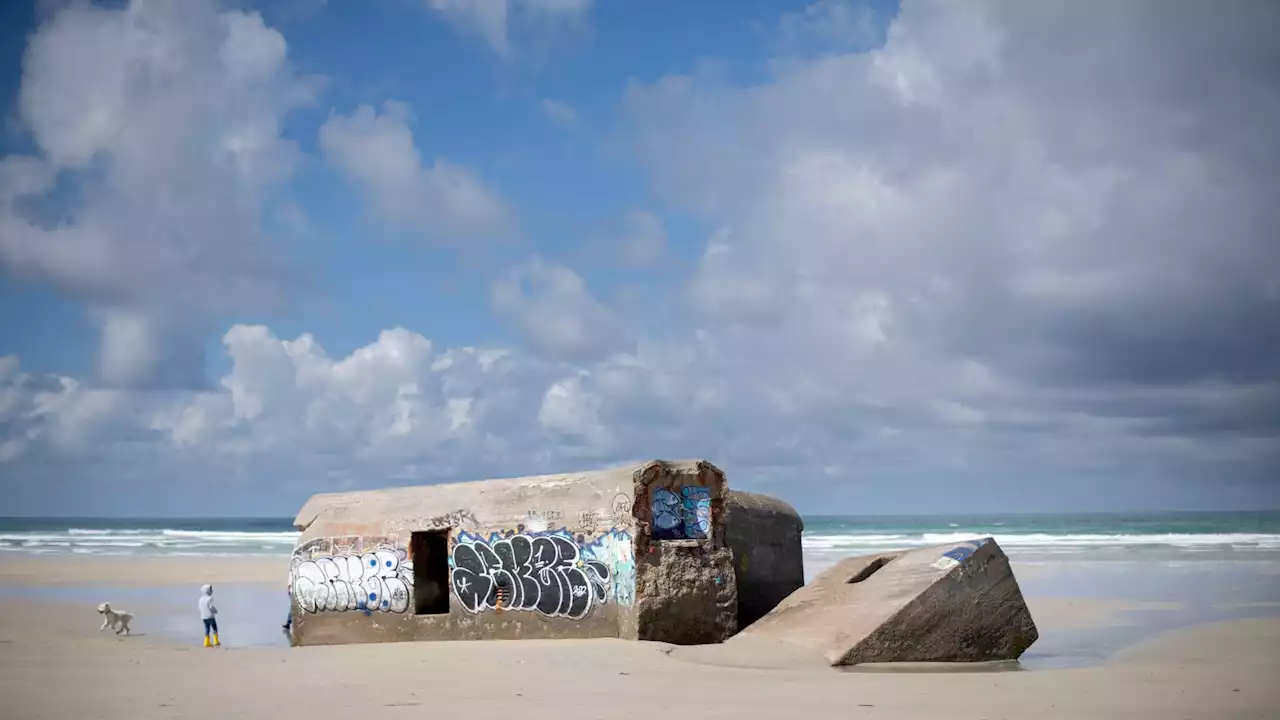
(668, 515)
(697, 511)
(686, 516)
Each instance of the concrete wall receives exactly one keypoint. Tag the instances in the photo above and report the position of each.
(540, 557)
(950, 603)
(685, 586)
(764, 534)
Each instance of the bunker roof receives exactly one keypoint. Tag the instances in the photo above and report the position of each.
(443, 498)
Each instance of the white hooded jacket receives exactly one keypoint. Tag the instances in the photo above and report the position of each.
(207, 610)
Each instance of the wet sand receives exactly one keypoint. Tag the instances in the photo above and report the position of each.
(55, 663)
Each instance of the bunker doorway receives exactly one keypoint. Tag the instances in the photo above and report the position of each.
(430, 552)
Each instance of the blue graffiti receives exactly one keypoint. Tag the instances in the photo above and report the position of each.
(960, 553)
(686, 516)
(615, 550)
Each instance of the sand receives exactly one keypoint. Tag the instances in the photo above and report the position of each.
(55, 663)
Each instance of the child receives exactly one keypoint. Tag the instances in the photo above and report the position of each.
(207, 613)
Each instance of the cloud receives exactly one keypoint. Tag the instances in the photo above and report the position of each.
(494, 20)
(555, 313)
(963, 198)
(830, 25)
(953, 274)
(442, 202)
(559, 113)
(158, 146)
(644, 240)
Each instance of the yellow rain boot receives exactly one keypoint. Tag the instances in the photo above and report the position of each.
(215, 640)
(206, 641)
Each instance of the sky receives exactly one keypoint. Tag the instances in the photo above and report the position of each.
(868, 257)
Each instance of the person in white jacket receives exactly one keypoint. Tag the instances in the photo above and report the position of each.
(208, 613)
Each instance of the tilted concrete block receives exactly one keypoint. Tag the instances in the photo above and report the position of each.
(950, 603)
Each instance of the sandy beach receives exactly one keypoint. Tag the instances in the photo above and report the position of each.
(55, 663)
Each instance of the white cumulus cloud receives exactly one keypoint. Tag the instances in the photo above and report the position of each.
(440, 202)
(165, 121)
(955, 273)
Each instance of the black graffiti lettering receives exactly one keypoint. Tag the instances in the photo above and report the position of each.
(522, 552)
(506, 577)
(545, 574)
(600, 581)
(471, 581)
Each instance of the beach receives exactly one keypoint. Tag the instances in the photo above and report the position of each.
(55, 663)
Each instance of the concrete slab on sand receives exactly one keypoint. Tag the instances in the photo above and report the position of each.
(949, 603)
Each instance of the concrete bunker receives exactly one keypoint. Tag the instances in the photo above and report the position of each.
(640, 552)
(951, 603)
(764, 534)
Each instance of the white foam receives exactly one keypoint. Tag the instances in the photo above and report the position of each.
(841, 541)
(1189, 541)
(155, 541)
(233, 536)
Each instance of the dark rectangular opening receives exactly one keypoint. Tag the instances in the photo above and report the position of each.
(869, 570)
(429, 550)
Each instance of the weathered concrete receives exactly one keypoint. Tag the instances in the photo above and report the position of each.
(685, 588)
(951, 603)
(636, 552)
(764, 534)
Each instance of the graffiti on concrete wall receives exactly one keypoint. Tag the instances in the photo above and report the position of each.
(545, 572)
(686, 516)
(411, 523)
(340, 574)
(615, 551)
(958, 554)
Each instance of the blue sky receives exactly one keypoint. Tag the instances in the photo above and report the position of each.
(842, 249)
(566, 183)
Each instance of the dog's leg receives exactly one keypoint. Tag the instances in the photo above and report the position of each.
(104, 625)
(124, 626)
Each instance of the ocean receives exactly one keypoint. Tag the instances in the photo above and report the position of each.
(1173, 569)
(1098, 537)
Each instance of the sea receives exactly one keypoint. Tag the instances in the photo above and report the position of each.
(1167, 537)
(1172, 570)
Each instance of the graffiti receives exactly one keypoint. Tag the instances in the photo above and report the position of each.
(621, 504)
(697, 509)
(683, 516)
(455, 519)
(380, 579)
(958, 554)
(589, 519)
(314, 548)
(345, 546)
(532, 571)
(615, 550)
(546, 516)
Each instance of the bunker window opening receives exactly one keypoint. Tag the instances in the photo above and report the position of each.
(870, 569)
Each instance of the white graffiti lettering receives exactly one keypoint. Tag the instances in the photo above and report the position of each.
(381, 581)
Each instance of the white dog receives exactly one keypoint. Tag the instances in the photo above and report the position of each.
(111, 618)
